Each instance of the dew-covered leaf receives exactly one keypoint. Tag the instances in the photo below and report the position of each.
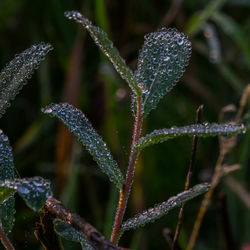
(34, 191)
(161, 63)
(81, 127)
(163, 208)
(7, 209)
(101, 40)
(7, 212)
(18, 71)
(202, 130)
(6, 158)
(69, 233)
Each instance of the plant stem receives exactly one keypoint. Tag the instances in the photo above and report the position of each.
(206, 201)
(125, 191)
(225, 147)
(94, 238)
(5, 240)
(188, 179)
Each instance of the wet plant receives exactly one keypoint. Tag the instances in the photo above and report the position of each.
(161, 62)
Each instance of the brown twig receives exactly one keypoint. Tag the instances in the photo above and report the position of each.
(125, 191)
(225, 146)
(206, 201)
(188, 179)
(5, 240)
(95, 239)
(243, 101)
(45, 233)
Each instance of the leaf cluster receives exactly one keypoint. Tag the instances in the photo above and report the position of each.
(161, 62)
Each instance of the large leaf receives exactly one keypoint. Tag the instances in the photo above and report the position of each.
(101, 39)
(7, 203)
(161, 63)
(163, 208)
(201, 130)
(16, 73)
(34, 191)
(81, 127)
(70, 233)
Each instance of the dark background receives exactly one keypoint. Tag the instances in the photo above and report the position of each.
(76, 72)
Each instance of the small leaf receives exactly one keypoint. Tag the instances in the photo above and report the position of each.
(7, 212)
(5, 193)
(201, 130)
(81, 127)
(7, 209)
(70, 233)
(16, 73)
(163, 208)
(6, 158)
(34, 191)
(161, 63)
(101, 40)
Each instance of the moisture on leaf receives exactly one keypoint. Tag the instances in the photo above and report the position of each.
(163, 208)
(6, 172)
(34, 191)
(69, 233)
(101, 40)
(81, 127)
(16, 73)
(202, 130)
(161, 63)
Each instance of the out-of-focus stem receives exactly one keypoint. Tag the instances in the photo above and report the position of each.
(188, 179)
(5, 240)
(206, 201)
(125, 191)
(225, 147)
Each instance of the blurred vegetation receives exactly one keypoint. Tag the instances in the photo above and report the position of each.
(76, 72)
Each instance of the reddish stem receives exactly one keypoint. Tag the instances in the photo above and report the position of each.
(125, 191)
(5, 240)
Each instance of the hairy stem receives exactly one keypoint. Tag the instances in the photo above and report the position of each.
(5, 240)
(188, 179)
(125, 191)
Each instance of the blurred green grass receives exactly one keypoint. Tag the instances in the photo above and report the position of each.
(105, 99)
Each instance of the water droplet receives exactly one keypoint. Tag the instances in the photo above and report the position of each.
(166, 59)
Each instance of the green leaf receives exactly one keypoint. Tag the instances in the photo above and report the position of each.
(34, 191)
(161, 63)
(18, 71)
(234, 30)
(5, 193)
(81, 127)
(7, 210)
(6, 158)
(163, 208)
(69, 233)
(107, 47)
(197, 21)
(202, 130)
